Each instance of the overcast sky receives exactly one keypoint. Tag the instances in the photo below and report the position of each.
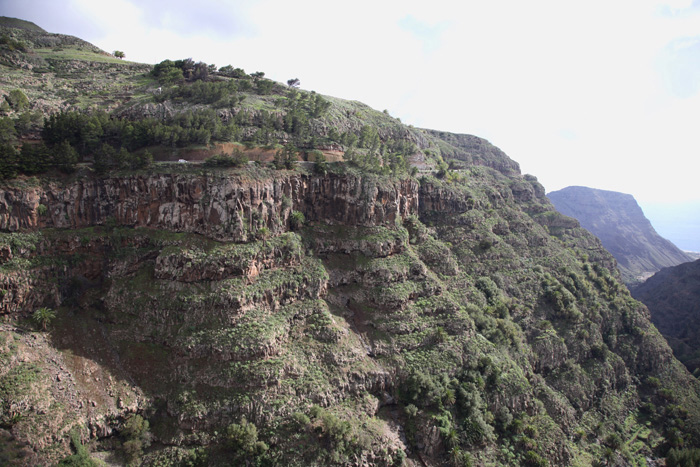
(596, 93)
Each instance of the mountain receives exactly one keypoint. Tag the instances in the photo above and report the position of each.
(16, 23)
(673, 298)
(618, 221)
(319, 285)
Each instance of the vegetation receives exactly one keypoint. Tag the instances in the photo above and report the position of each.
(683, 458)
(242, 440)
(337, 314)
(43, 317)
(136, 436)
(81, 457)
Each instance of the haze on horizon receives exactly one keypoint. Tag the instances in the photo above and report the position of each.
(599, 94)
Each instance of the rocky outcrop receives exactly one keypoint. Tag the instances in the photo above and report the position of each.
(221, 207)
(476, 151)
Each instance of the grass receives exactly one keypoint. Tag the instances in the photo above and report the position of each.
(77, 54)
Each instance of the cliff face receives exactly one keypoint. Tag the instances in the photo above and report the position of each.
(673, 298)
(402, 320)
(219, 207)
(619, 222)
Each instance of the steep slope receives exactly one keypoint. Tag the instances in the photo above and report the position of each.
(673, 298)
(19, 24)
(619, 222)
(347, 313)
(431, 320)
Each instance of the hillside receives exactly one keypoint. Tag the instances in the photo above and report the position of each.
(673, 298)
(618, 221)
(361, 292)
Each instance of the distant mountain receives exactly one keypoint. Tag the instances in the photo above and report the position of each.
(673, 298)
(618, 221)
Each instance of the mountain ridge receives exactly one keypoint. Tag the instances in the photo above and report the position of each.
(285, 313)
(619, 222)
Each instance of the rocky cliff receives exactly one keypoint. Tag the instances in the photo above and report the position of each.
(352, 313)
(619, 222)
(222, 207)
(403, 321)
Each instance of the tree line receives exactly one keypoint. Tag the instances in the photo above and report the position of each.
(71, 137)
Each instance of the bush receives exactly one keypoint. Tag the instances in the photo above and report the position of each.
(613, 441)
(81, 458)
(137, 437)
(17, 100)
(301, 419)
(237, 159)
(297, 220)
(243, 439)
(532, 459)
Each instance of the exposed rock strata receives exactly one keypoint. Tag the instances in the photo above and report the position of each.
(219, 207)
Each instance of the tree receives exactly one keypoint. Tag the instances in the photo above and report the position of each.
(167, 72)
(119, 54)
(200, 72)
(263, 86)
(285, 158)
(319, 160)
(43, 317)
(65, 157)
(293, 83)
(8, 134)
(136, 437)
(242, 438)
(8, 161)
(105, 158)
(17, 100)
(33, 159)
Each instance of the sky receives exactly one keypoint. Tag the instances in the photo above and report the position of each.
(604, 94)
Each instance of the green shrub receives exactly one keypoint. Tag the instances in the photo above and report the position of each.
(136, 438)
(532, 459)
(613, 441)
(81, 458)
(242, 438)
(297, 220)
(237, 159)
(301, 419)
(17, 99)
